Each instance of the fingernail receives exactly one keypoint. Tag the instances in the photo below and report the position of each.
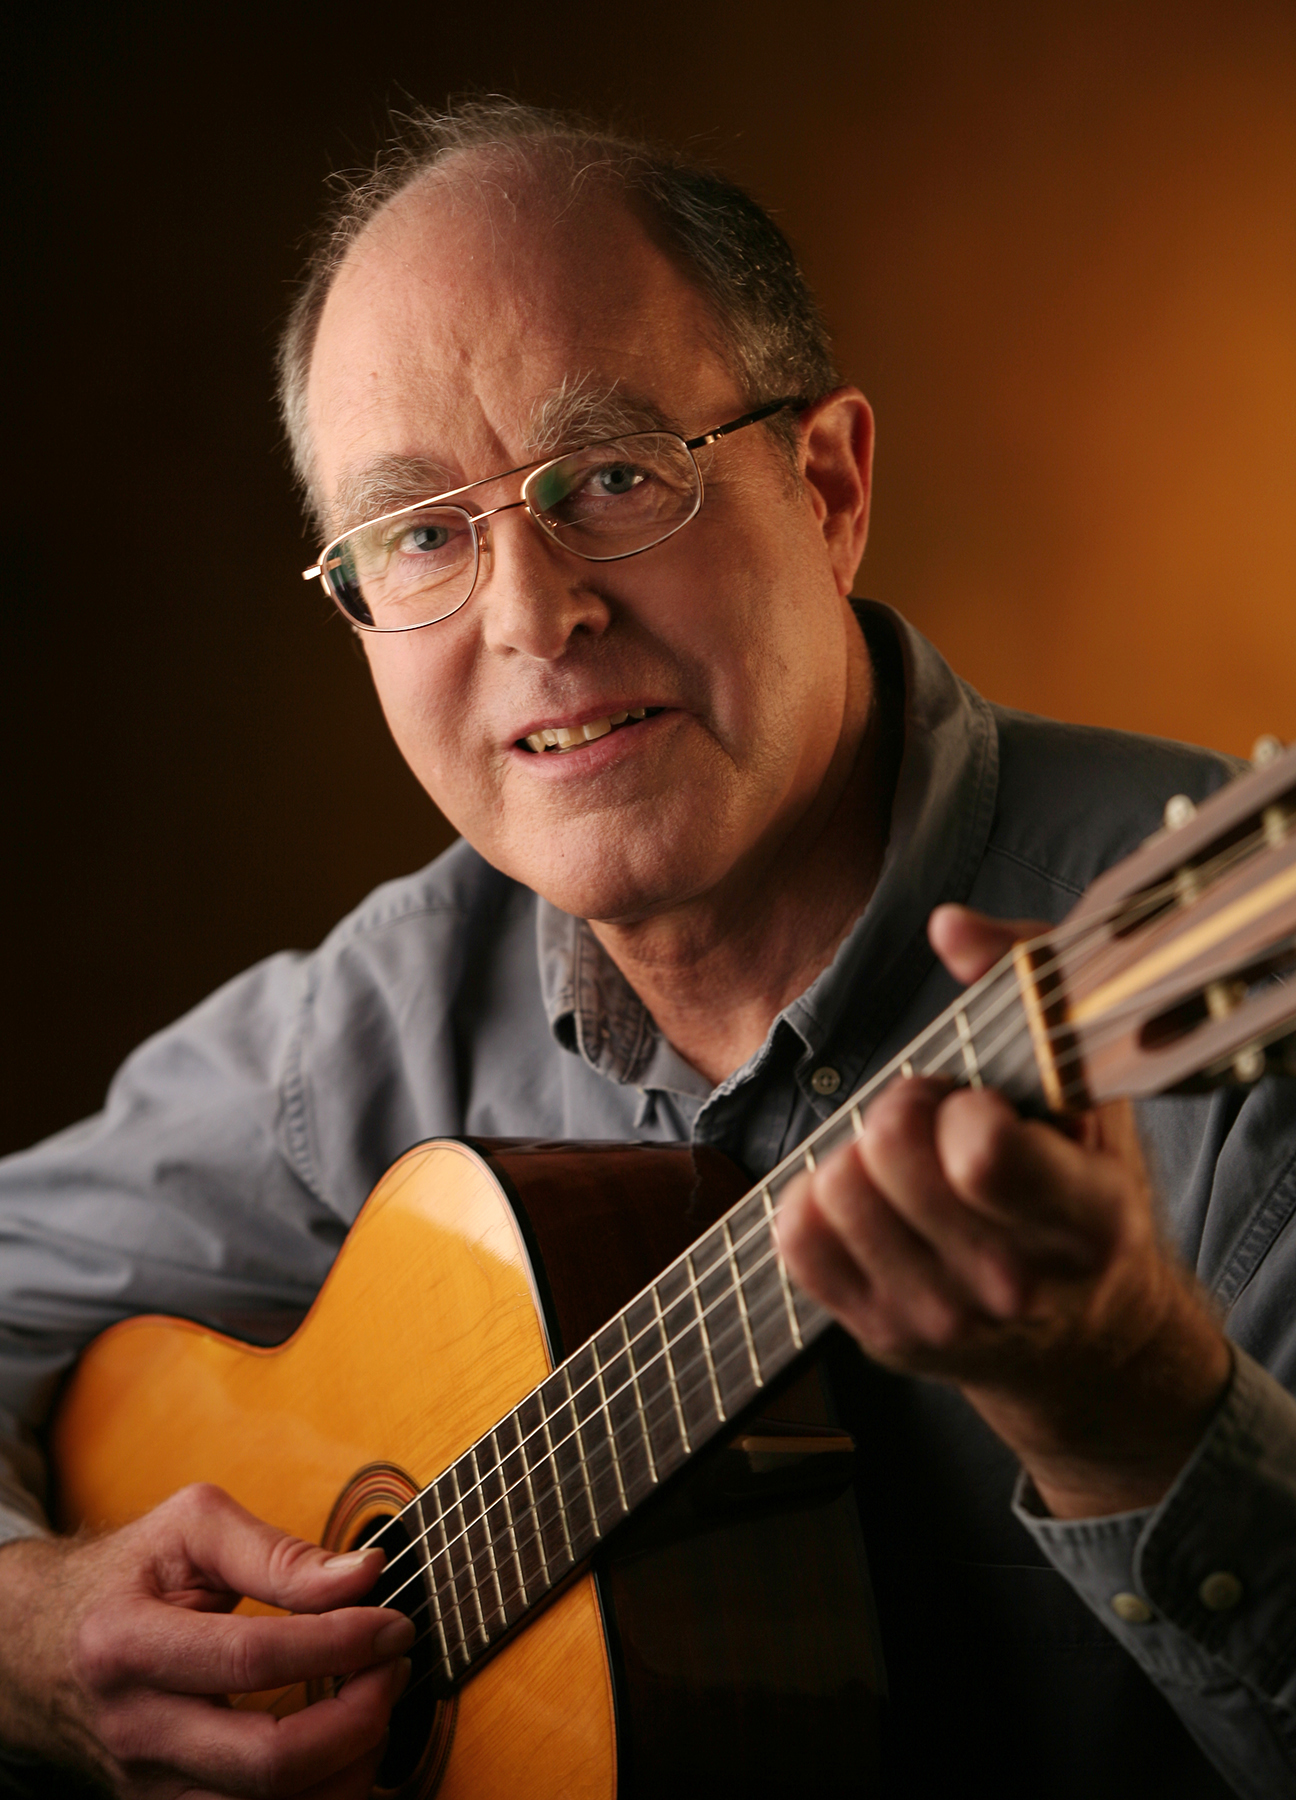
(392, 1638)
(403, 1670)
(351, 1560)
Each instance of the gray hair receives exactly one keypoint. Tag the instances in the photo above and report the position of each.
(768, 325)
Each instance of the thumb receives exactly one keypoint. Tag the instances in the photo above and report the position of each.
(969, 943)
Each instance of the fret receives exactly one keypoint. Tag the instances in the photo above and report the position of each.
(705, 1337)
(517, 1476)
(970, 1062)
(445, 1552)
(606, 1413)
(551, 1513)
(637, 1394)
(593, 1440)
(677, 1297)
(789, 1305)
(720, 1305)
(663, 1421)
(505, 1502)
(668, 1365)
(480, 1531)
(561, 1455)
(424, 1531)
(452, 1475)
(763, 1288)
(757, 1378)
(575, 1490)
(629, 1440)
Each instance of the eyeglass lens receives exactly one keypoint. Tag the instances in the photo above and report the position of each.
(603, 502)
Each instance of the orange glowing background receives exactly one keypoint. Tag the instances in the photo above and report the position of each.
(1056, 247)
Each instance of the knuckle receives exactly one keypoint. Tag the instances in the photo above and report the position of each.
(287, 1555)
(200, 1500)
(97, 1650)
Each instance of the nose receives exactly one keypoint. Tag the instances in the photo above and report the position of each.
(534, 597)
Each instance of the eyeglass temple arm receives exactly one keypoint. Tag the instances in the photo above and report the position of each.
(752, 418)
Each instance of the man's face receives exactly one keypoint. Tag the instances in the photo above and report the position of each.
(454, 321)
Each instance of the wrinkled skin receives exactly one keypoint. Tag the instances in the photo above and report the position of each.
(955, 1240)
(129, 1650)
(721, 850)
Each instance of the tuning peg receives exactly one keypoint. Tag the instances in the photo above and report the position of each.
(1249, 1064)
(1178, 810)
(1265, 749)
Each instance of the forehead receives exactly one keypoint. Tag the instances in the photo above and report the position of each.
(464, 307)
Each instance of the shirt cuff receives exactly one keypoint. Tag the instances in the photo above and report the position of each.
(1201, 1587)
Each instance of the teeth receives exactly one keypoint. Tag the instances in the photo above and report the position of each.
(569, 737)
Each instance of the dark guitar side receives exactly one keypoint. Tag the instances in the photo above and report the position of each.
(737, 1604)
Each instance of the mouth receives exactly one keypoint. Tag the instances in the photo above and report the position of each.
(558, 739)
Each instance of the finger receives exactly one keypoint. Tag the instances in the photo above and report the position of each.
(237, 1752)
(231, 1549)
(897, 1147)
(1076, 1203)
(847, 1247)
(146, 1641)
(969, 943)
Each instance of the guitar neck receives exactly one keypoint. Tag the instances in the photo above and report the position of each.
(528, 1503)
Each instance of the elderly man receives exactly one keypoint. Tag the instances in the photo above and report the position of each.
(708, 806)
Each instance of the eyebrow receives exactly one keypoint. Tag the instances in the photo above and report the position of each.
(577, 412)
(385, 485)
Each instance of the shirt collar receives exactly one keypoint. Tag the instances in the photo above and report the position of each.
(940, 821)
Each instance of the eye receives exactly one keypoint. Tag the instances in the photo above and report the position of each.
(616, 479)
(420, 540)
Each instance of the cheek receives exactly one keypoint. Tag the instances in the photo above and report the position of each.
(426, 703)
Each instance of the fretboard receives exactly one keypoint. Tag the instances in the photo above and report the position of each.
(533, 1499)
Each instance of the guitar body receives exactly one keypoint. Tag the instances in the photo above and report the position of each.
(723, 1639)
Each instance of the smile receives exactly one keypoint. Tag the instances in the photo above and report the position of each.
(571, 737)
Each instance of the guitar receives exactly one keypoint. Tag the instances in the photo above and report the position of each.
(571, 1390)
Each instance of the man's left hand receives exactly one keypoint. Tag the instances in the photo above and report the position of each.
(953, 1239)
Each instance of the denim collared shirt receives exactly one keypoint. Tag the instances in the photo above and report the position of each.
(236, 1148)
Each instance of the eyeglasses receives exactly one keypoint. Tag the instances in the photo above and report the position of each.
(413, 567)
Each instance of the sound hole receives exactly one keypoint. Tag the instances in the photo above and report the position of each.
(403, 1587)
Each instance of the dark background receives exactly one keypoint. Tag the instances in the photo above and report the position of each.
(1059, 253)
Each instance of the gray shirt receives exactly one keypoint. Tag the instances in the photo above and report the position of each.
(236, 1148)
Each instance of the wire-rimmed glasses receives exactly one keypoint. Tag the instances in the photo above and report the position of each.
(609, 500)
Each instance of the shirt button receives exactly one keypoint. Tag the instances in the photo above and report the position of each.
(825, 1081)
(1130, 1608)
(1220, 1591)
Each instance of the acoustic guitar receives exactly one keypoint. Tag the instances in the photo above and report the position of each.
(572, 1391)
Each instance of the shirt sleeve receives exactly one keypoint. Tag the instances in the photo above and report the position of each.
(1201, 1590)
(184, 1196)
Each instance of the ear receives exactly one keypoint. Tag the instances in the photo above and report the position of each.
(837, 469)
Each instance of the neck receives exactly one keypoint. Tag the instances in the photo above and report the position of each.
(716, 971)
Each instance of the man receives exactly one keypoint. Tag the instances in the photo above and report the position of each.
(710, 807)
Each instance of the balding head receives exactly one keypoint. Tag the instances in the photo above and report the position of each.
(498, 160)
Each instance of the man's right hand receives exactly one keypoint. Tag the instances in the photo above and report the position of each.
(117, 1654)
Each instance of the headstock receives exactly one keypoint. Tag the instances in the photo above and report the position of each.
(1176, 969)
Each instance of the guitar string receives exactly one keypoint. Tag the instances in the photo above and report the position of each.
(658, 1409)
(692, 1289)
(1147, 900)
(952, 1054)
(737, 1351)
(608, 1450)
